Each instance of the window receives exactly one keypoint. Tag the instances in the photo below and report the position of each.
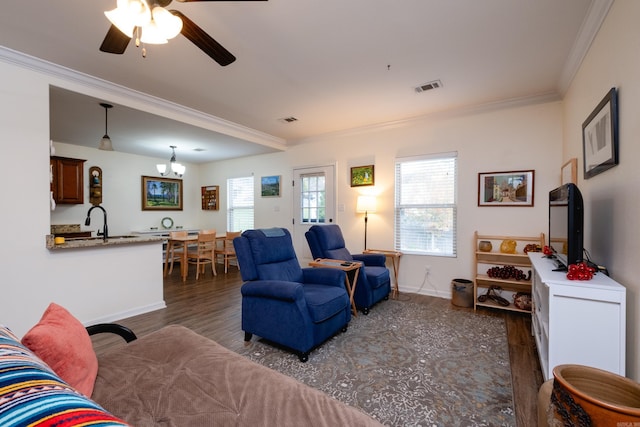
(313, 198)
(240, 203)
(425, 205)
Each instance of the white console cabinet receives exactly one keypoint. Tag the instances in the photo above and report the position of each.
(577, 322)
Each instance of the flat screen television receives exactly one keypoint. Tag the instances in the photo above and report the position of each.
(566, 218)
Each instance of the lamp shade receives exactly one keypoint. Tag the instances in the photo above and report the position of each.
(129, 14)
(366, 204)
(169, 24)
(178, 168)
(105, 144)
(152, 34)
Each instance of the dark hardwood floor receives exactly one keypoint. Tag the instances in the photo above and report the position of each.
(211, 307)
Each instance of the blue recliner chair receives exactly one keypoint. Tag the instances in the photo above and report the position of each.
(298, 308)
(374, 283)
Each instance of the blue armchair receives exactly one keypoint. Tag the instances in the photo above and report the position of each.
(298, 308)
(374, 283)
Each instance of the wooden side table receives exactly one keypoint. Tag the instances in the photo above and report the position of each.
(345, 266)
(395, 260)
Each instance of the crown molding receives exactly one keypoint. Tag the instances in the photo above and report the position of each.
(438, 115)
(153, 104)
(596, 15)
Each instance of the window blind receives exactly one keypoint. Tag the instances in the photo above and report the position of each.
(240, 203)
(425, 204)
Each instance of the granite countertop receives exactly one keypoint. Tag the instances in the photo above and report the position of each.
(92, 242)
(65, 228)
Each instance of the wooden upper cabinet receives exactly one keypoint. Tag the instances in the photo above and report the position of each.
(68, 180)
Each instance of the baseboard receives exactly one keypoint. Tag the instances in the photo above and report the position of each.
(429, 292)
(128, 313)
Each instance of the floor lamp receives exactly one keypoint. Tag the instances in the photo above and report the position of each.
(366, 204)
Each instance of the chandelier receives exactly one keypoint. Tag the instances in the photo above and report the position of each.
(175, 167)
(150, 24)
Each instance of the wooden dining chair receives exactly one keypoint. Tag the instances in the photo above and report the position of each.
(175, 250)
(204, 253)
(227, 251)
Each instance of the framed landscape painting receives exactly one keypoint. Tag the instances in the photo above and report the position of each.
(505, 188)
(270, 186)
(362, 175)
(161, 194)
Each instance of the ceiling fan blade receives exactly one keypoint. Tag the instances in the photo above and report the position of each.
(204, 41)
(115, 41)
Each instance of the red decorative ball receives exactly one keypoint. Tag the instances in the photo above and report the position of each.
(580, 271)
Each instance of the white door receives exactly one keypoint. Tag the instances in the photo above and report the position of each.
(314, 201)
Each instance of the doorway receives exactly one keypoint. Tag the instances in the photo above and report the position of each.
(314, 201)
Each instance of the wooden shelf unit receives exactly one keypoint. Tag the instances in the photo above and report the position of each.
(210, 198)
(484, 260)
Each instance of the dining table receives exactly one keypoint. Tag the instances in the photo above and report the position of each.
(185, 241)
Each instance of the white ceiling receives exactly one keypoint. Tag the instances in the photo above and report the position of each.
(332, 64)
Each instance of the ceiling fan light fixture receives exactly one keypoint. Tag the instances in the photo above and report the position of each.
(169, 24)
(130, 18)
(122, 20)
(129, 14)
(152, 34)
(138, 10)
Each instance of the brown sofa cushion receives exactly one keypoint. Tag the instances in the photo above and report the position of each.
(175, 377)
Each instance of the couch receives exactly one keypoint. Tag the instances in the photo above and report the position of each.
(374, 281)
(171, 377)
(298, 308)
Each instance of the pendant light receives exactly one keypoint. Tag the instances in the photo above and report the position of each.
(105, 142)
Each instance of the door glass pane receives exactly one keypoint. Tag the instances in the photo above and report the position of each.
(313, 198)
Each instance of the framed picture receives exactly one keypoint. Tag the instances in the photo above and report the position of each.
(600, 136)
(569, 172)
(161, 194)
(270, 186)
(506, 188)
(362, 175)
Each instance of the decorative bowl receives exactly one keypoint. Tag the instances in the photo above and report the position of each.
(485, 246)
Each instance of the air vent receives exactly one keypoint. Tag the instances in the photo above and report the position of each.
(435, 84)
(288, 119)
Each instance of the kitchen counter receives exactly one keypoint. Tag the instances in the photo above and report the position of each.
(93, 242)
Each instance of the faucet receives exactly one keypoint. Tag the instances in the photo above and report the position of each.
(105, 229)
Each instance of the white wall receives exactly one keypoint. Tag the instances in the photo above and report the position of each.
(95, 285)
(612, 207)
(519, 138)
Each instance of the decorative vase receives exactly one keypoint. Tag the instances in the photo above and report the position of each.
(485, 246)
(586, 396)
(508, 246)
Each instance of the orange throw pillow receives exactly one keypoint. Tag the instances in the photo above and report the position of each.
(62, 342)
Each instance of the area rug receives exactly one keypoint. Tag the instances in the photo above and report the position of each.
(410, 364)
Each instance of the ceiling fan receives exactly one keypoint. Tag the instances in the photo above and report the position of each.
(154, 12)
